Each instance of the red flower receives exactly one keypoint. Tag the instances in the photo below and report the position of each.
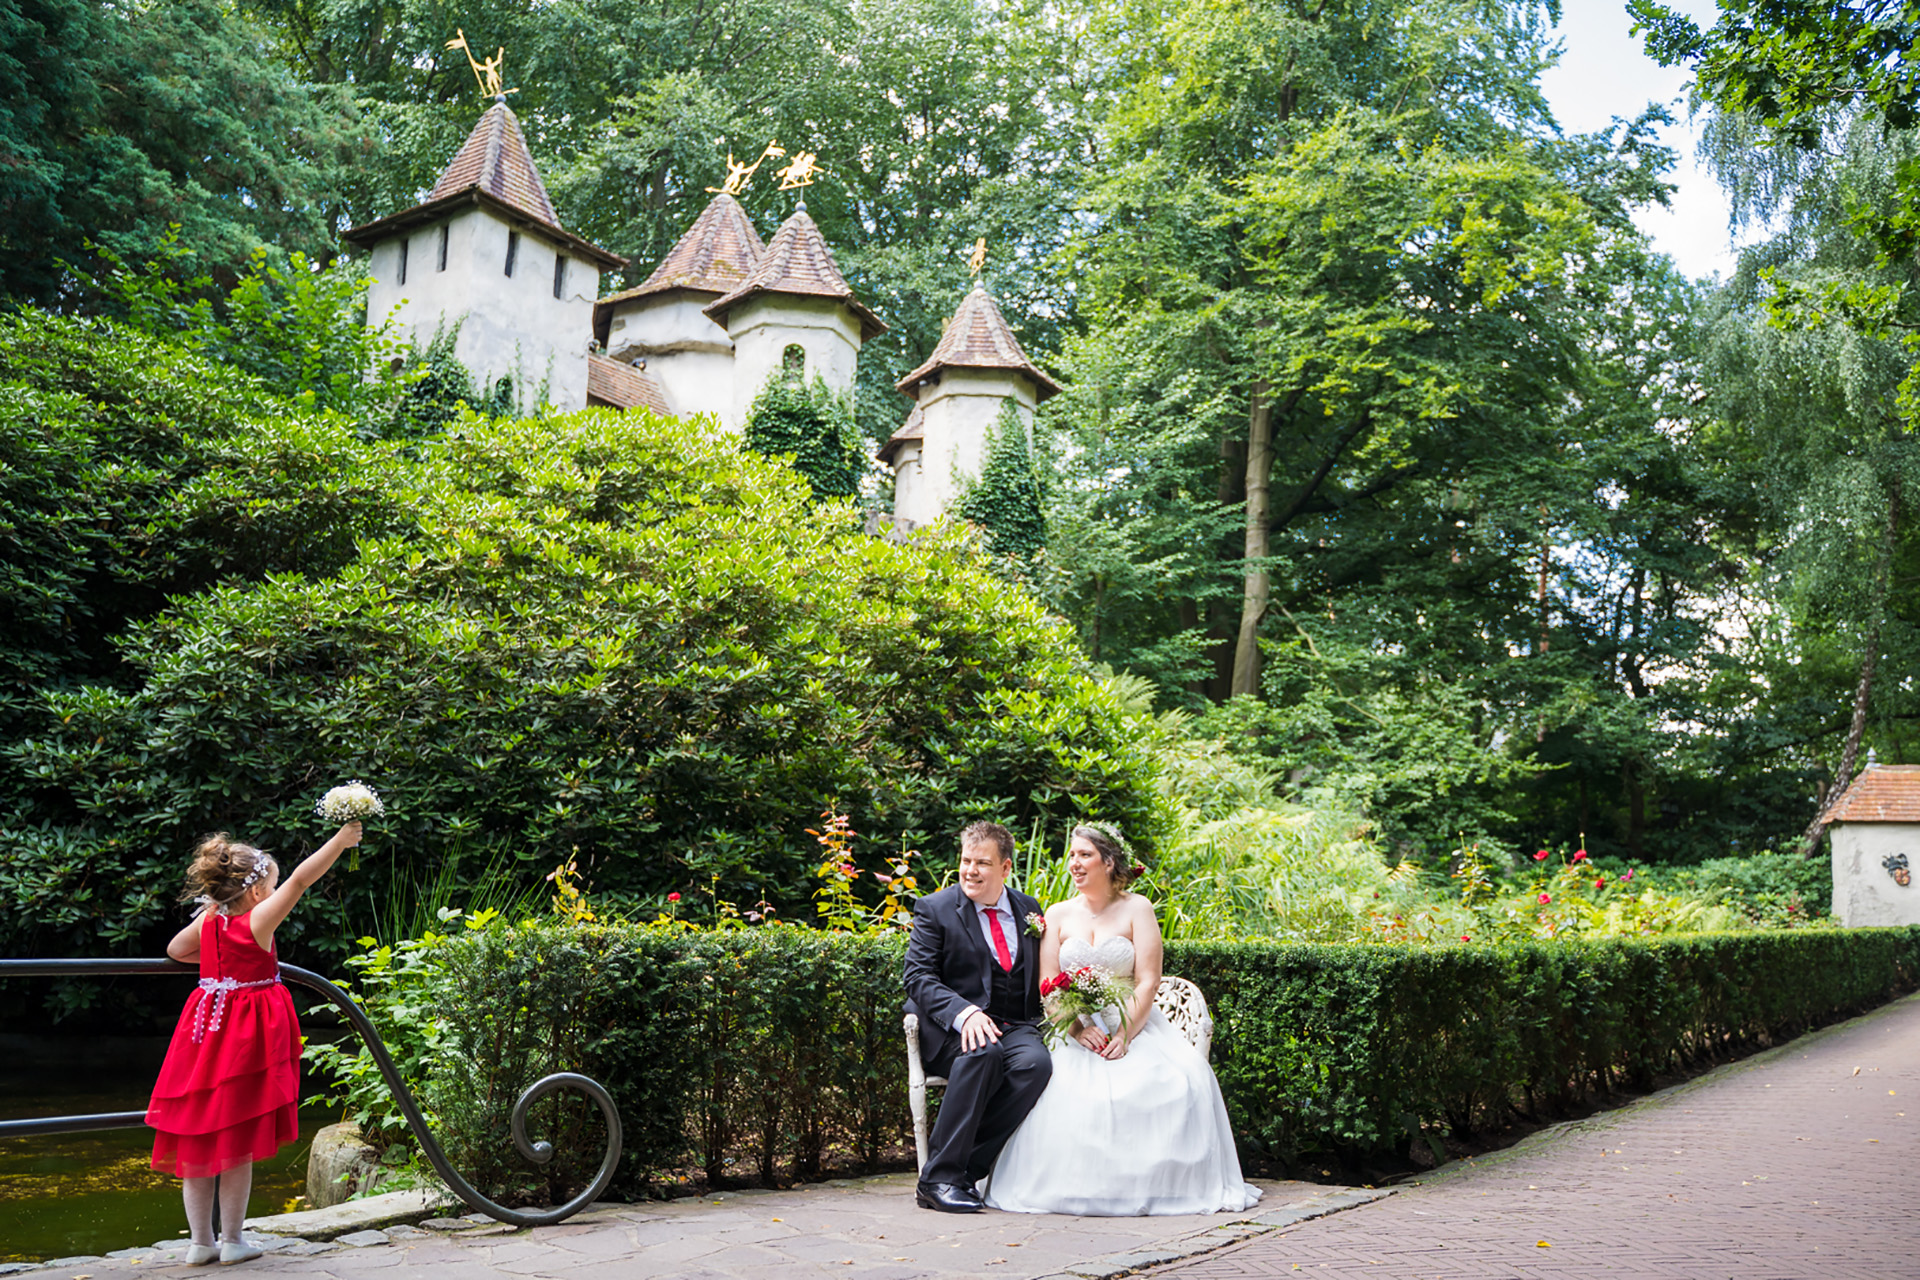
(1579, 855)
(1545, 898)
(1600, 883)
(1466, 938)
(1540, 856)
(673, 897)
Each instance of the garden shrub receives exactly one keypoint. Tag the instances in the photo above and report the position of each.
(776, 1053)
(604, 637)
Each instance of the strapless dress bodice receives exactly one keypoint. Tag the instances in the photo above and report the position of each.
(1114, 954)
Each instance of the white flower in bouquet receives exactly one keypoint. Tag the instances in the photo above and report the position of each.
(354, 802)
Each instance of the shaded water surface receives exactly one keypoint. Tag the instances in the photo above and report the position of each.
(86, 1193)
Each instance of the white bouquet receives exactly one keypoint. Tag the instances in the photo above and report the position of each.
(352, 803)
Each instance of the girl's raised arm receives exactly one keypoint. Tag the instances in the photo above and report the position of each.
(268, 915)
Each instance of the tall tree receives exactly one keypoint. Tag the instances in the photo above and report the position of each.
(117, 121)
(1815, 134)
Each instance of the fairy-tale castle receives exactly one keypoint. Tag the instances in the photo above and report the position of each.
(721, 314)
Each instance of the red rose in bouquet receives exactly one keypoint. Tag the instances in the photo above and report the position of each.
(1086, 992)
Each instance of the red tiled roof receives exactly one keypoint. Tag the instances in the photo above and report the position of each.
(798, 262)
(621, 386)
(494, 171)
(978, 338)
(715, 255)
(1884, 793)
(495, 159)
(914, 428)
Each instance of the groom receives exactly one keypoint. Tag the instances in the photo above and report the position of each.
(973, 978)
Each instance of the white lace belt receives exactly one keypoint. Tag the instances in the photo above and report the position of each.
(202, 1022)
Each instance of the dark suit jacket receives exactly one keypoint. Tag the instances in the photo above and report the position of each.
(947, 964)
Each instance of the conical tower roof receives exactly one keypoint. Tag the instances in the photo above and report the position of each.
(914, 428)
(978, 338)
(715, 256)
(492, 169)
(798, 262)
(495, 159)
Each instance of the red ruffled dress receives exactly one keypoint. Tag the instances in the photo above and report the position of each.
(229, 1089)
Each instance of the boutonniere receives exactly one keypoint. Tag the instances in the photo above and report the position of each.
(1036, 925)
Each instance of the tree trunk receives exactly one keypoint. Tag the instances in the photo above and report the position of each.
(1863, 688)
(1253, 604)
(1220, 619)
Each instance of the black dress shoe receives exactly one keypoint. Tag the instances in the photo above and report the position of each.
(947, 1197)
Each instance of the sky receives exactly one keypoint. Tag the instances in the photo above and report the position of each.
(1603, 73)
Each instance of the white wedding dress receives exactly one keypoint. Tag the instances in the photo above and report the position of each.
(1145, 1135)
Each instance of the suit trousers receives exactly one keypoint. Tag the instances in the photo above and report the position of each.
(989, 1092)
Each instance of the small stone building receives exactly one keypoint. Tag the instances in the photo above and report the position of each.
(1875, 832)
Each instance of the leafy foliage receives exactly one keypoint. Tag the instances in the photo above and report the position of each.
(1007, 498)
(811, 424)
(121, 120)
(602, 636)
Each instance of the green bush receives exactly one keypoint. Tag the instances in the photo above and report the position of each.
(601, 636)
(1768, 888)
(809, 423)
(776, 1053)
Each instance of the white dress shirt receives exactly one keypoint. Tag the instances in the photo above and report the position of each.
(1004, 909)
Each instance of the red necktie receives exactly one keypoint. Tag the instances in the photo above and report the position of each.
(999, 938)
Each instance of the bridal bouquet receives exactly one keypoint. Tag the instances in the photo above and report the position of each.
(354, 802)
(1086, 992)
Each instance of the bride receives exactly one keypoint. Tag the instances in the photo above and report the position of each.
(1131, 1123)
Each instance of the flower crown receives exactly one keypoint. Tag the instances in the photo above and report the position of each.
(260, 864)
(1135, 867)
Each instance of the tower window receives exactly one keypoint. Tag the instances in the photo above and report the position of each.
(443, 246)
(513, 249)
(559, 274)
(793, 361)
(403, 261)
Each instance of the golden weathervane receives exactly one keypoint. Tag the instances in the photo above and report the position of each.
(488, 72)
(737, 173)
(978, 258)
(800, 171)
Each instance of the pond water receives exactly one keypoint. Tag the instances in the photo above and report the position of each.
(86, 1193)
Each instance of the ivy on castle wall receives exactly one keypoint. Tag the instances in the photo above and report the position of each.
(1008, 500)
(813, 424)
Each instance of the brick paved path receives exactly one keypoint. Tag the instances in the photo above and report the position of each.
(1801, 1163)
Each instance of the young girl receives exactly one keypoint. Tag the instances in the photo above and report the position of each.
(230, 1086)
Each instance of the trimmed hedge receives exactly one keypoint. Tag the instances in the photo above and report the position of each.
(776, 1053)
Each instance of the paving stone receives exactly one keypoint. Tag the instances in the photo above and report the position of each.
(74, 1261)
(361, 1239)
(404, 1232)
(15, 1268)
(307, 1248)
(448, 1224)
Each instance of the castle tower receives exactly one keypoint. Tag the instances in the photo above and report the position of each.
(486, 251)
(661, 325)
(795, 297)
(977, 366)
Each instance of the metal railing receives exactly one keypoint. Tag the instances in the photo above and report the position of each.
(537, 1152)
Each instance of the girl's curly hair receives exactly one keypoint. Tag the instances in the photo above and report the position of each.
(1113, 851)
(224, 868)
